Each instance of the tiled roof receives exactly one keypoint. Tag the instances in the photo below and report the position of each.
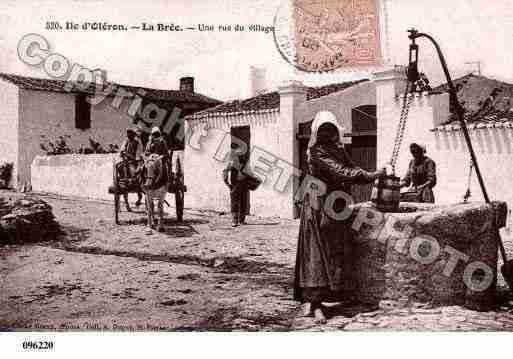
(493, 119)
(316, 92)
(474, 91)
(38, 84)
(270, 100)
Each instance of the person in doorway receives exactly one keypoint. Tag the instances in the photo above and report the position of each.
(323, 270)
(131, 153)
(235, 179)
(421, 176)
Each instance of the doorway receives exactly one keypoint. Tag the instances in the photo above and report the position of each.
(242, 134)
(363, 146)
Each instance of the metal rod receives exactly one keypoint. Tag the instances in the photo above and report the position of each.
(414, 34)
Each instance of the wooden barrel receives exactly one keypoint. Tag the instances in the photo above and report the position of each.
(386, 193)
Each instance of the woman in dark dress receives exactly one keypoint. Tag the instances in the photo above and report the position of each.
(235, 179)
(421, 176)
(323, 256)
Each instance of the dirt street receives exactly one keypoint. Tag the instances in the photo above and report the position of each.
(201, 274)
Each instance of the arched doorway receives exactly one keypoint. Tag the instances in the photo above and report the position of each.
(363, 146)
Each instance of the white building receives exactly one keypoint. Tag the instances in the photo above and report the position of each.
(34, 111)
(276, 127)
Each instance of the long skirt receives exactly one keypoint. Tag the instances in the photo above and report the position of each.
(324, 266)
(239, 199)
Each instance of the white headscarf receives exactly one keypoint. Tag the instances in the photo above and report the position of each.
(321, 118)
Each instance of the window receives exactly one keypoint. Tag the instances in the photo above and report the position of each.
(82, 112)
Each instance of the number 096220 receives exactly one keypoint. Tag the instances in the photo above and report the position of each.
(36, 345)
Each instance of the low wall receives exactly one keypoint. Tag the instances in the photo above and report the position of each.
(87, 176)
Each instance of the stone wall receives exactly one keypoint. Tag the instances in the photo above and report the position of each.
(25, 219)
(408, 258)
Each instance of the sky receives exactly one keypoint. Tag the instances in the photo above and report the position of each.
(467, 30)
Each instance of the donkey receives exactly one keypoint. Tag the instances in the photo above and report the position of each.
(126, 179)
(155, 178)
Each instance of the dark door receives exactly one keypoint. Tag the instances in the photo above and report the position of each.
(242, 133)
(303, 137)
(363, 146)
(363, 153)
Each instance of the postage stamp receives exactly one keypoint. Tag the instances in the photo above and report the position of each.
(319, 36)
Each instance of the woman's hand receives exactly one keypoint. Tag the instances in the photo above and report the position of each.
(378, 174)
(421, 187)
(382, 172)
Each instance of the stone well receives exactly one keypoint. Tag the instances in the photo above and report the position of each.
(426, 253)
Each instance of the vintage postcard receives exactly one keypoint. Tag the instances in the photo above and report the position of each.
(251, 165)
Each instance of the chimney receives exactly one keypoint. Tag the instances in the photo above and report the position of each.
(257, 79)
(187, 84)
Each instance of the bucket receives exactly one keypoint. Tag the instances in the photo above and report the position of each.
(386, 193)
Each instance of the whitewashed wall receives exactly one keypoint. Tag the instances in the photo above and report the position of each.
(204, 163)
(493, 147)
(9, 99)
(340, 103)
(51, 114)
(494, 153)
(86, 176)
(273, 132)
(203, 173)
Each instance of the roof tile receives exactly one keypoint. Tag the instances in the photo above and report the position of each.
(39, 84)
(473, 91)
(271, 100)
